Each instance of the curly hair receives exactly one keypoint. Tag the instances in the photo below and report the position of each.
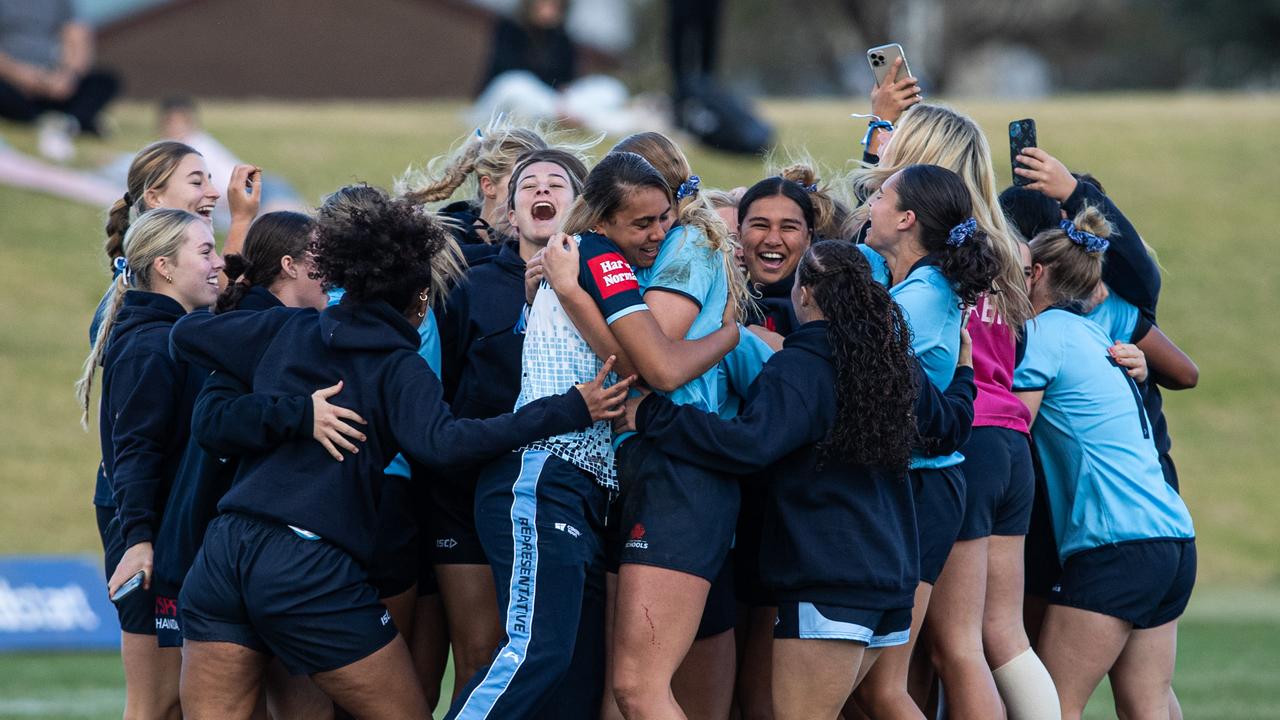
(270, 238)
(871, 346)
(379, 249)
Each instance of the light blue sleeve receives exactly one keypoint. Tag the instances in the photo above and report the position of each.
(927, 305)
(686, 265)
(1117, 317)
(879, 266)
(1042, 360)
(745, 361)
(429, 342)
(335, 296)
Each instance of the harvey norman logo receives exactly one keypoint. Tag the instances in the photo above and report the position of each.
(612, 274)
(52, 608)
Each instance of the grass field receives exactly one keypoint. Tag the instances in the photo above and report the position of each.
(1196, 174)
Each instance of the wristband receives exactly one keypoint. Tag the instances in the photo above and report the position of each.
(876, 124)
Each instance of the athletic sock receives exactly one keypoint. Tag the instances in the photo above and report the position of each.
(1027, 689)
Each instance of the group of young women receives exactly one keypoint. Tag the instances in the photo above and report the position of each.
(633, 447)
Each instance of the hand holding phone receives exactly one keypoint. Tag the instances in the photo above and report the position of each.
(129, 587)
(883, 61)
(1022, 135)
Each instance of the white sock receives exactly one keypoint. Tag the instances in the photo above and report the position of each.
(1027, 689)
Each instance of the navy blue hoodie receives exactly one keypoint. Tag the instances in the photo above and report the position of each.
(773, 309)
(374, 351)
(227, 422)
(832, 530)
(145, 414)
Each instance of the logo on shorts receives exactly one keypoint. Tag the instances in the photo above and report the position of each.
(637, 541)
(446, 543)
(386, 617)
(567, 528)
(1057, 588)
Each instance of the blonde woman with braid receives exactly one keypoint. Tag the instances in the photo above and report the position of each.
(980, 650)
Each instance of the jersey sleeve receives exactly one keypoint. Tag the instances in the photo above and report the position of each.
(608, 278)
(879, 266)
(744, 361)
(685, 266)
(1118, 318)
(1042, 359)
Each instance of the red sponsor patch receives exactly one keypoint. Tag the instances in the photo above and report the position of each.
(637, 532)
(612, 274)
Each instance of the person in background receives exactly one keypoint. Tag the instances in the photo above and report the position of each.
(47, 73)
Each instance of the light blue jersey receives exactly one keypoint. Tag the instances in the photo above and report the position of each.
(1101, 468)
(932, 311)
(1117, 317)
(688, 266)
(739, 369)
(428, 348)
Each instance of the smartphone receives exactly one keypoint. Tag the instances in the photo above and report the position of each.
(129, 586)
(1022, 134)
(881, 60)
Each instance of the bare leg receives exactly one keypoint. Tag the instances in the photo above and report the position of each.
(475, 625)
(813, 678)
(430, 645)
(151, 677)
(294, 697)
(608, 705)
(883, 693)
(755, 684)
(402, 608)
(955, 625)
(1079, 647)
(703, 684)
(1004, 636)
(381, 685)
(1142, 676)
(220, 680)
(657, 615)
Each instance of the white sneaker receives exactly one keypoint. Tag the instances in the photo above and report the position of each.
(55, 138)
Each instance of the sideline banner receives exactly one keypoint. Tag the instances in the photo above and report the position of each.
(55, 602)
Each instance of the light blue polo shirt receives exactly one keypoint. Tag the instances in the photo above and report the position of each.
(428, 348)
(1117, 317)
(1094, 440)
(739, 369)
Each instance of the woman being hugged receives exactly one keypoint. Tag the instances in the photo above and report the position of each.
(167, 268)
(833, 416)
(1118, 525)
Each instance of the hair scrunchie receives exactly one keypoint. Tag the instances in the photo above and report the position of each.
(688, 187)
(1090, 242)
(128, 199)
(120, 266)
(962, 233)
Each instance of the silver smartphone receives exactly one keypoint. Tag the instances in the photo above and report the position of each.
(881, 61)
(129, 586)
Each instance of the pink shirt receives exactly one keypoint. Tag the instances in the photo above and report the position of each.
(994, 357)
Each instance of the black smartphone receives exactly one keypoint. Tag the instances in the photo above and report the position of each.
(1022, 134)
(129, 586)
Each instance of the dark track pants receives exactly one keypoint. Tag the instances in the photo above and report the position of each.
(541, 521)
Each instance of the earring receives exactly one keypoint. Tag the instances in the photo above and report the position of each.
(169, 278)
(423, 298)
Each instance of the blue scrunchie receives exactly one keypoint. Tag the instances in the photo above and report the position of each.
(1090, 242)
(120, 266)
(688, 187)
(962, 233)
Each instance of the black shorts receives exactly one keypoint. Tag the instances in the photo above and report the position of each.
(674, 515)
(137, 613)
(939, 497)
(1147, 583)
(451, 513)
(1040, 554)
(748, 586)
(872, 628)
(394, 566)
(721, 611)
(999, 483)
(263, 586)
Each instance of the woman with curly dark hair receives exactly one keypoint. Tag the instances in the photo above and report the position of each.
(282, 569)
(835, 415)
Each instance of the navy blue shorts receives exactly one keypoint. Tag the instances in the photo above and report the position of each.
(939, 497)
(721, 611)
(137, 613)
(263, 586)
(872, 628)
(394, 566)
(999, 483)
(748, 586)
(1040, 554)
(674, 515)
(452, 538)
(1147, 583)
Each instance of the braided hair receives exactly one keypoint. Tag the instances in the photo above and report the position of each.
(871, 347)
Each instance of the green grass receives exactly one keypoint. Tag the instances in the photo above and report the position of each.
(1228, 660)
(1196, 174)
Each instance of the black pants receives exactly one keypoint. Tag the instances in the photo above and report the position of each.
(92, 94)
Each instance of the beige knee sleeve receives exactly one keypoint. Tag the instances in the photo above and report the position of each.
(1027, 689)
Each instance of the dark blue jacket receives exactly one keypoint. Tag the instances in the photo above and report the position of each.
(832, 530)
(374, 351)
(773, 308)
(228, 421)
(145, 414)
